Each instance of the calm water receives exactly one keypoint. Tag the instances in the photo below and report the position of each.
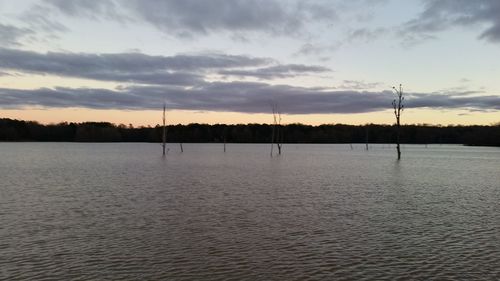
(319, 212)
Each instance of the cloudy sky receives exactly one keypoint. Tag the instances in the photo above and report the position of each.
(227, 61)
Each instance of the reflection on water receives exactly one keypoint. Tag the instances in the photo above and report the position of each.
(318, 212)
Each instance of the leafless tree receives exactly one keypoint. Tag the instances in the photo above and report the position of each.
(164, 133)
(277, 134)
(398, 106)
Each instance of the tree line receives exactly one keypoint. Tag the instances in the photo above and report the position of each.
(18, 130)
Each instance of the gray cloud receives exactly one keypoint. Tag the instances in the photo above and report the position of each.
(247, 97)
(194, 17)
(366, 34)
(439, 15)
(456, 101)
(12, 35)
(136, 68)
(202, 17)
(41, 19)
(278, 71)
(358, 85)
(139, 68)
(83, 62)
(235, 97)
(318, 50)
(89, 9)
(36, 26)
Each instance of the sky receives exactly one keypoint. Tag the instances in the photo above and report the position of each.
(228, 61)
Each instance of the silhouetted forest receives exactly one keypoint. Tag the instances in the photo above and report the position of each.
(16, 130)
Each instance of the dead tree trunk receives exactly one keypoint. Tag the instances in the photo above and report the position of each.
(398, 106)
(273, 133)
(277, 133)
(272, 140)
(164, 134)
(279, 141)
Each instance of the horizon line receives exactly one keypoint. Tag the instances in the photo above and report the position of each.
(246, 124)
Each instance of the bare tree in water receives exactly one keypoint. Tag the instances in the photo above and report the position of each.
(398, 106)
(164, 133)
(277, 134)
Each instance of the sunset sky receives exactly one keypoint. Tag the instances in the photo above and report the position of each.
(227, 61)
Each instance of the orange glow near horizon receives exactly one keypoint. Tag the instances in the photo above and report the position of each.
(152, 118)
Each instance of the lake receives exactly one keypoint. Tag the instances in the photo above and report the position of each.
(75, 211)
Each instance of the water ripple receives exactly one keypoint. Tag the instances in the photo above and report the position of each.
(319, 212)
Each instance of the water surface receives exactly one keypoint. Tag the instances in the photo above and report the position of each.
(72, 211)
